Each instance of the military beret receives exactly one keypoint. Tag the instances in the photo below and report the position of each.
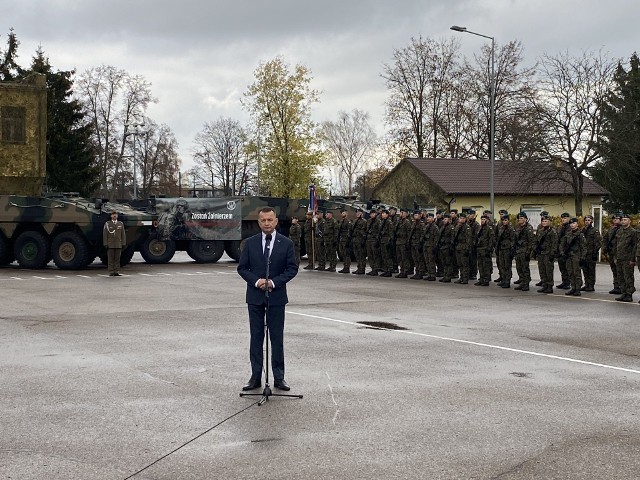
(471, 212)
(502, 212)
(430, 214)
(453, 210)
(404, 210)
(521, 215)
(416, 212)
(625, 215)
(393, 208)
(384, 210)
(617, 215)
(487, 211)
(328, 211)
(446, 215)
(544, 213)
(573, 220)
(373, 210)
(463, 215)
(545, 217)
(565, 215)
(486, 217)
(504, 217)
(439, 212)
(588, 216)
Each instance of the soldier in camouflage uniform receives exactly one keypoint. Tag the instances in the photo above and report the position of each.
(320, 241)
(473, 254)
(403, 228)
(359, 241)
(344, 240)
(373, 243)
(543, 214)
(438, 222)
(462, 246)
(295, 235)
(496, 230)
(330, 235)
(430, 239)
(394, 218)
(562, 261)
(594, 241)
(505, 245)
(545, 248)
(386, 243)
(445, 247)
(455, 268)
(309, 244)
(523, 248)
(573, 248)
(609, 249)
(626, 250)
(415, 242)
(484, 242)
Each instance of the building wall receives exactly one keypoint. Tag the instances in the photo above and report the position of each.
(406, 186)
(23, 131)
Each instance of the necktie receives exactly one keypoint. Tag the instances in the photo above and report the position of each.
(266, 248)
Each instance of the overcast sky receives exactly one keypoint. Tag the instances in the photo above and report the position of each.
(200, 56)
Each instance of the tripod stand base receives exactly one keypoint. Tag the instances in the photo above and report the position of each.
(266, 393)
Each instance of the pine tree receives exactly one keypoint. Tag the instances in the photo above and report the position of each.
(9, 69)
(619, 143)
(70, 156)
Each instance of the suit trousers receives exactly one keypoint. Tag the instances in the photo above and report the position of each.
(113, 259)
(275, 322)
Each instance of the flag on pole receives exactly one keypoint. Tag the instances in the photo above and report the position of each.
(312, 199)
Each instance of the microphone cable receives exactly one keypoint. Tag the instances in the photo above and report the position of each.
(189, 441)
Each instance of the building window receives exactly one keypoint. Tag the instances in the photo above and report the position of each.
(13, 126)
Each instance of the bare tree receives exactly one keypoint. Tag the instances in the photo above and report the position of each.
(572, 92)
(114, 101)
(221, 155)
(349, 141)
(157, 158)
(418, 79)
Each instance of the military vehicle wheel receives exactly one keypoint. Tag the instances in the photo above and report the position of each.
(70, 251)
(205, 251)
(127, 255)
(32, 250)
(157, 251)
(6, 252)
(232, 247)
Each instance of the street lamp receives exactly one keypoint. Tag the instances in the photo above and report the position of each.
(136, 131)
(492, 110)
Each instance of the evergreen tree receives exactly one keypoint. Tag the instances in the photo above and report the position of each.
(619, 142)
(70, 156)
(9, 69)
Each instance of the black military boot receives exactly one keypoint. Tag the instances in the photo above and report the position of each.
(417, 276)
(505, 285)
(517, 282)
(542, 290)
(549, 289)
(539, 284)
(358, 272)
(498, 280)
(524, 287)
(430, 279)
(373, 273)
(386, 274)
(577, 293)
(401, 275)
(519, 287)
(570, 292)
(615, 291)
(563, 286)
(588, 288)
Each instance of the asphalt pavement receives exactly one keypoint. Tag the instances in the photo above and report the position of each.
(139, 377)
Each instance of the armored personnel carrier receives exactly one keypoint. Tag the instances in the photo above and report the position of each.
(35, 229)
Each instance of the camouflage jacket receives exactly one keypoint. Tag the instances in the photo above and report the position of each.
(573, 244)
(386, 231)
(344, 231)
(373, 230)
(506, 238)
(307, 228)
(594, 242)
(562, 231)
(546, 242)
(359, 231)
(330, 232)
(446, 237)
(403, 228)
(627, 243)
(524, 239)
(462, 238)
(295, 232)
(415, 234)
(485, 239)
(430, 235)
(609, 241)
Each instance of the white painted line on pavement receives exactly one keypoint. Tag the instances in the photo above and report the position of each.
(478, 344)
(581, 297)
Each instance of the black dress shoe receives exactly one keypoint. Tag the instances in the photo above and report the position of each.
(252, 384)
(282, 385)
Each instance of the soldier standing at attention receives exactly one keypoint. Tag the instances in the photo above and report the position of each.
(473, 254)
(309, 232)
(609, 249)
(445, 245)
(496, 230)
(546, 246)
(462, 246)
(594, 241)
(330, 235)
(543, 214)
(562, 261)
(505, 244)
(373, 244)
(403, 228)
(359, 241)
(344, 240)
(573, 248)
(415, 242)
(394, 218)
(430, 238)
(626, 250)
(386, 243)
(524, 245)
(295, 235)
(319, 232)
(484, 242)
(115, 239)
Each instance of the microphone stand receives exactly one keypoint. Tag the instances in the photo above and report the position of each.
(266, 392)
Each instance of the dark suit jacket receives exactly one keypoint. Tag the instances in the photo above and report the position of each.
(282, 268)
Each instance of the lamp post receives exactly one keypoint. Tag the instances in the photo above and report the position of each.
(135, 133)
(492, 111)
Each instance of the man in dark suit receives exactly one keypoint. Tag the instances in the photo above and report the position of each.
(267, 296)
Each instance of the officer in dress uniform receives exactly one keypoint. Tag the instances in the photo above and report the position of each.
(115, 239)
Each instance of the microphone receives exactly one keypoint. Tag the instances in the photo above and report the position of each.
(267, 261)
